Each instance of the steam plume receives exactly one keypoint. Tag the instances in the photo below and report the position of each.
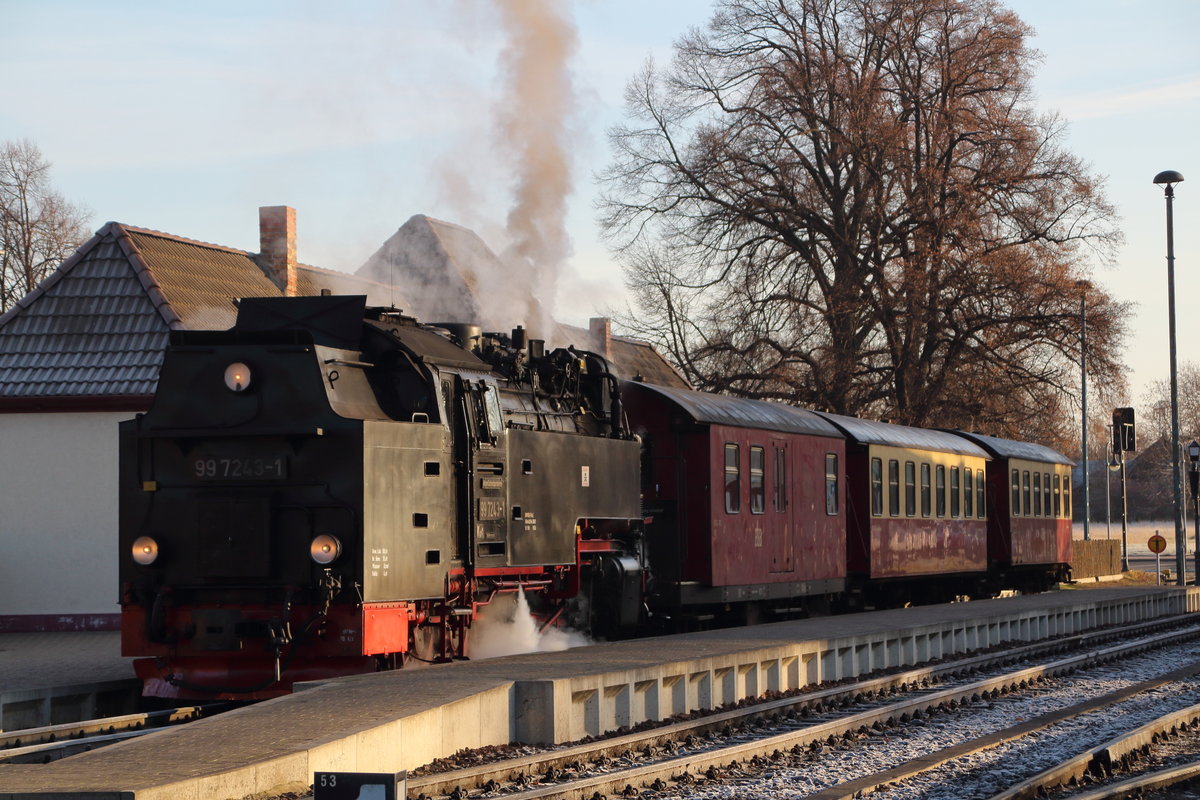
(540, 40)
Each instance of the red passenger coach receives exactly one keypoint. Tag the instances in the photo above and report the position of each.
(744, 501)
(916, 510)
(1029, 529)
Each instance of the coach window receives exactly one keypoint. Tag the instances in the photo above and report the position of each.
(1016, 493)
(968, 492)
(940, 489)
(758, 500)
(1037, 494)
(893, 487)
(926, 490)
(876, 487)
(910, 489)
(980, 508)
(1026, 494)
(780, 478)
(1057, 496)
(1045, 481)
(955, 492)
(733, 480)
(1067, 496)
(831, 483)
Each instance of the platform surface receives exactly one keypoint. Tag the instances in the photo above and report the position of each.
(348, 706)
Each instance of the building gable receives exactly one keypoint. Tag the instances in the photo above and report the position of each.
(92, 329)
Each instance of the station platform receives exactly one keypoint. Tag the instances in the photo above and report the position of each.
(392, 721)
(48, 678)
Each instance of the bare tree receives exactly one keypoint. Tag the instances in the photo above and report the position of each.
(39, 229)
(852, 205)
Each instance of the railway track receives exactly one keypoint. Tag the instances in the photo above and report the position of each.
(678, 758)
(52, 742)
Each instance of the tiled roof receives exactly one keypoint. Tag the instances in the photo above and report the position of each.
(91, 328)
(633, 359)
(96, 328)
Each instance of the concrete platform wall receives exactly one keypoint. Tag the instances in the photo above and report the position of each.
(566, 709)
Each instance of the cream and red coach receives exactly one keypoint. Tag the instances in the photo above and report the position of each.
(917, 521)
(1029, 528)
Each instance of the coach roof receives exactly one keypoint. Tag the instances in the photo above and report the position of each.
(866, 431)
(719, 409)
(1009, 448)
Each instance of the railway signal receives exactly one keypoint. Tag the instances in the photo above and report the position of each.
(1124, 437)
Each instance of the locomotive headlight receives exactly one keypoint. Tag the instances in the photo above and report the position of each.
(325, 549)
(145, 550)
(237, 377)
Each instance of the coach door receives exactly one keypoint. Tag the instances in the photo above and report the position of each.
(782, 553)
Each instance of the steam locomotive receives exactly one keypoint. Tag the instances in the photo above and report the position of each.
(328, 488)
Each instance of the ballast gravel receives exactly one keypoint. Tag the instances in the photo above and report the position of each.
(980, 775)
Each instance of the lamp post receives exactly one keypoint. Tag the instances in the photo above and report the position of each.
(1167, 179)
(1118, 464)
(1087, 497)
(1193, 451)
(1113, 465)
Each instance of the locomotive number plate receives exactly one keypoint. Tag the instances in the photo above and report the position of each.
(240, 468)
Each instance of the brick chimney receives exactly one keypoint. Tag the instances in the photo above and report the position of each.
(601, 329)
(277, 244)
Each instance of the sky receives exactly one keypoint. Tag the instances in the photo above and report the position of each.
(186, 118)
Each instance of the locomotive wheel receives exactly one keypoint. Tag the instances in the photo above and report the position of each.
(424, 642)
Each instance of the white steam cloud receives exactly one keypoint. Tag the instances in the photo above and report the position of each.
(506, 628)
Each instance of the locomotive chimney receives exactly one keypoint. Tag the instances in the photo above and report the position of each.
(277, 243)
(601, 328)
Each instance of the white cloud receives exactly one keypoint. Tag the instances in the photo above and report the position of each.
(1097, 105)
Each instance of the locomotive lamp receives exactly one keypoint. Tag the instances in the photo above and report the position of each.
(237, 377)
(1167, 179)
(325, 549)
(145, 550)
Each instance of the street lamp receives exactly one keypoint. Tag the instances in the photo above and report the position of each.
(1083, 287)
(1167, 179)
(1117, 464)
(1193, 451)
